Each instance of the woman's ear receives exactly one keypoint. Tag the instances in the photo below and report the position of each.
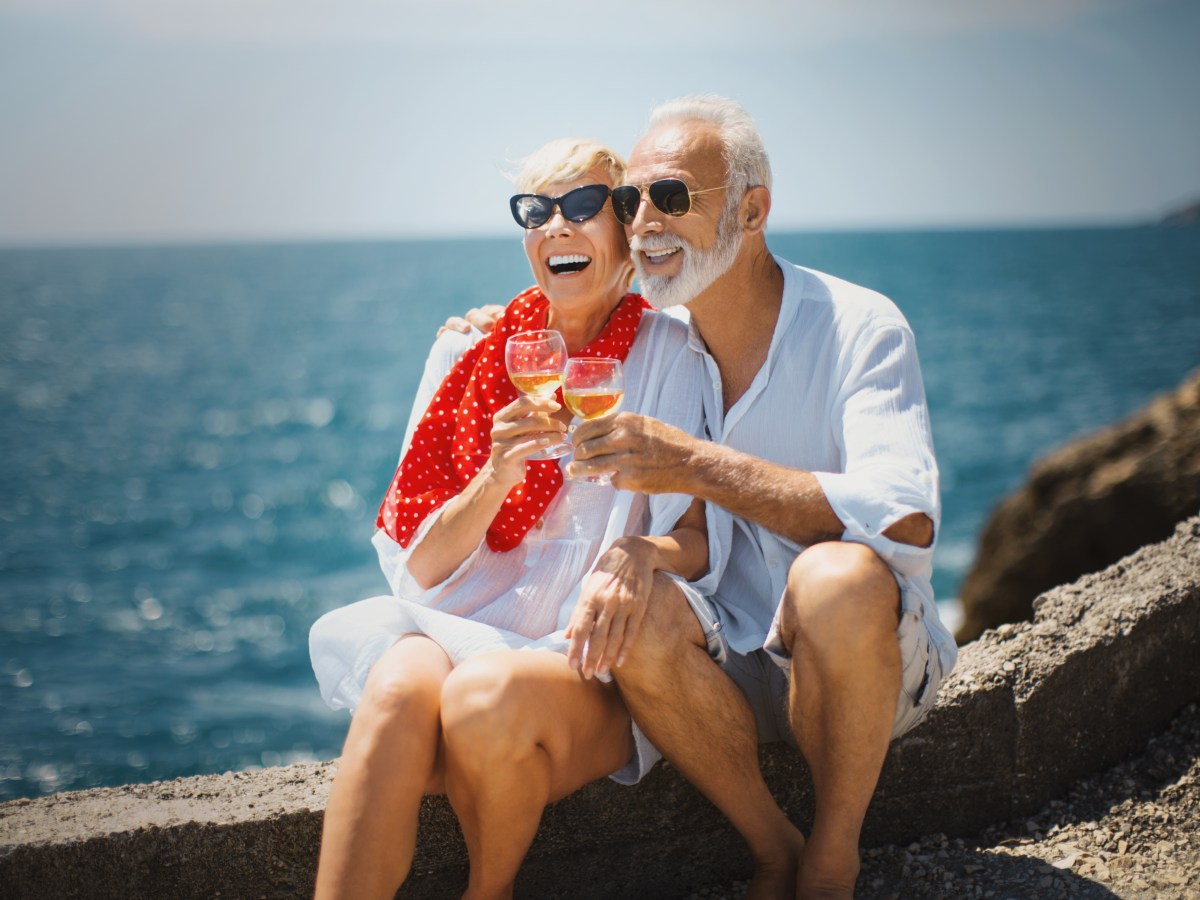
(756, 206)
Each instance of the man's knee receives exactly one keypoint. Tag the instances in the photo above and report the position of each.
(837, 591)
(668, 628)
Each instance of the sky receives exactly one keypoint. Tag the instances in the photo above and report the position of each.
(135, 121)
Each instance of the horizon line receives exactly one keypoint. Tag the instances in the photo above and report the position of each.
(135, 241)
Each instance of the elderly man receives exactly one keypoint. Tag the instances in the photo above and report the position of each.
(823, 630)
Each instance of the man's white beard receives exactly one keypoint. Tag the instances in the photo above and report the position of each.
(700, 267)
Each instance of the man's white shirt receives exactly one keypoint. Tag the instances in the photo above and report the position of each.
(839, 395)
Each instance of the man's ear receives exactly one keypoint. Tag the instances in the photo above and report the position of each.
(756, 206)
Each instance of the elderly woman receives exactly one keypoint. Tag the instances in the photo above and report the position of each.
(494, 561)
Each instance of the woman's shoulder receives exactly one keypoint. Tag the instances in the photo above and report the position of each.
(448, 347)
(665, 330)
(665, 357)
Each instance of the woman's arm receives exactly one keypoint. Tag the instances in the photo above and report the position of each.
(683, 551)
(614, 597)
(521, 428)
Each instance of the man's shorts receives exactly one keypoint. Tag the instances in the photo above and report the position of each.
(763, 675)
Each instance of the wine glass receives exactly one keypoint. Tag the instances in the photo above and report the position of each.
(593, 388)
(536, 361)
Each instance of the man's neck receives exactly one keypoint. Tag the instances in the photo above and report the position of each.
(736, 317)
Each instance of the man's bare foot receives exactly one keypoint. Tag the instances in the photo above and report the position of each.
(775, 876)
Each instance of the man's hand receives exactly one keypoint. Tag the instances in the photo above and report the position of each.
(644, 454)
(611, 607)
(482, 317)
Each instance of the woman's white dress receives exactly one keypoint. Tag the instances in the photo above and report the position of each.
(521, 599)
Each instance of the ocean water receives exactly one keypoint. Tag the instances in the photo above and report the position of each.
(196, 440)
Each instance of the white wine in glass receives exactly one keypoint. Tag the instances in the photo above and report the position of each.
(536, 363)
(594, 388)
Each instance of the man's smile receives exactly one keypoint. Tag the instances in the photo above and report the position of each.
(657, 257)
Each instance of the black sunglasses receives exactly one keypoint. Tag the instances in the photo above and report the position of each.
(669, 195)
(578, 205)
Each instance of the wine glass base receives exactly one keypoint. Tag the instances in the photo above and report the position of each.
(555, 452)
(602, 478)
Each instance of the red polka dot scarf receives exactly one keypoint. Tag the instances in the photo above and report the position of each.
(453, 439)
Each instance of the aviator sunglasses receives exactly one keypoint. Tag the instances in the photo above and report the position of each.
(669, 195)
(578, 205)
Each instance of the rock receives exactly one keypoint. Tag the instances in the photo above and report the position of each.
(1085, 506)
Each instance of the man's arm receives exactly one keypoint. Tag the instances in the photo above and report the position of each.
(651, 457)
(787, 501)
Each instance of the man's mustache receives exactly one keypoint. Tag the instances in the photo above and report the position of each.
(656, 242)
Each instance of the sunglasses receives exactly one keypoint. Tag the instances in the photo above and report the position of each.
(579, 205)
(669, 195)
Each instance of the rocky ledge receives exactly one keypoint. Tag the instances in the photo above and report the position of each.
(1086, 505)
(1032, 708)
(1132, 832)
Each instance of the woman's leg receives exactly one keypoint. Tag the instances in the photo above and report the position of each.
(521, 729)
(392, 757)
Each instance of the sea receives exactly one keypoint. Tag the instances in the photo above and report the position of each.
(196, 440)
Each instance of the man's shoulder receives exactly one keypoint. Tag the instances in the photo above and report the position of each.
(848, 305)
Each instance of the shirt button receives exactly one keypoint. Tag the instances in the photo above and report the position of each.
(539, 523)
(773, 563)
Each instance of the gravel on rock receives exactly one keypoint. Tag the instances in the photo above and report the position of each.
(1132, 832)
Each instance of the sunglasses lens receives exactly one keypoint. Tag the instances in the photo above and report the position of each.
(530, 210)
(625, 201)
(582, 203)
(671, 196)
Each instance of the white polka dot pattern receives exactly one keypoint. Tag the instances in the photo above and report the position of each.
(453, 439)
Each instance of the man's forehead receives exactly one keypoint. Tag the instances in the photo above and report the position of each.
(678, 150)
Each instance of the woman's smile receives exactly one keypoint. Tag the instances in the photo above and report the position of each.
(568, 264)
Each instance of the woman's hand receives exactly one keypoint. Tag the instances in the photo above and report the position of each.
(611, 606)
(520, 429)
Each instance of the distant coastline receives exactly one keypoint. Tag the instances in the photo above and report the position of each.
(1182, 217)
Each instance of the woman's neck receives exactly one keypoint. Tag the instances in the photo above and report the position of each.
(580, 327)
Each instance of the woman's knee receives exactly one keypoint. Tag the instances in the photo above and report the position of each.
(838, 588)
(397, 691)
(485, 709)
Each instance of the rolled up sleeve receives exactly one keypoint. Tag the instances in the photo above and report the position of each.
(889, 470)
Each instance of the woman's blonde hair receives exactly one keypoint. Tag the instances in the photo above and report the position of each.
(566, 159)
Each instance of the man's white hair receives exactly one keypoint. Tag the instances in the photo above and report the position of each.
(746, 161)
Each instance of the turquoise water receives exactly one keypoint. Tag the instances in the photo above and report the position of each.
(196, 440)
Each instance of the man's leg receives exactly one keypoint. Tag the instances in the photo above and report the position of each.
(390, 760)
(698, 719)
(838, 621)
(521, 730)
